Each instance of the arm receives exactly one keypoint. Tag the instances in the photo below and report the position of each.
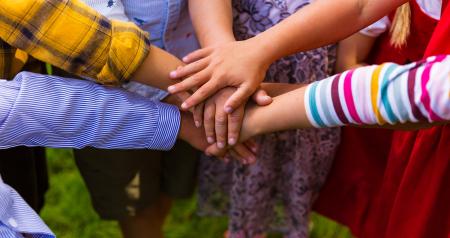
(212, 20)
(353, 51)
(243, 64)
(276, 89)
(109, 51)
(389, 96)
(40, 110)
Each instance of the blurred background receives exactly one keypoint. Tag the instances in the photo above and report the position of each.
(69, 214)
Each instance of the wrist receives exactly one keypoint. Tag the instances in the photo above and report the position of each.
(217, 40)
(266, 52)
(172, 99)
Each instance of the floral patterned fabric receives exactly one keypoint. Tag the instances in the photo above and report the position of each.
(277, 192)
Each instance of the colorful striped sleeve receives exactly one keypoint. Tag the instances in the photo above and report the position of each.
(380, 94)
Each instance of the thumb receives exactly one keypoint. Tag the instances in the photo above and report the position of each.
(238, 98)
(261, 98)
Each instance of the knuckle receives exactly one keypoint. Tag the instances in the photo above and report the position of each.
(221, 119)
(235, 118)
(209, 117)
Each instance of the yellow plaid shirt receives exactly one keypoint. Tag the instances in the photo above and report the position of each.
(69, 35)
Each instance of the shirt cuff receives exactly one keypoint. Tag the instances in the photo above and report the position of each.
(168, 126)
(129, 48)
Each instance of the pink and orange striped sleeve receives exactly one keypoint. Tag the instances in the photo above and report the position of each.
(380, 94)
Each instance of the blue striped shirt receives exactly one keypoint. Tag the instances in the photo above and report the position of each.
(41, 110)
(17, 218)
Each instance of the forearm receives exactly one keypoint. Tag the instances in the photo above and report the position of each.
(276, 89)
(383, 95)
(77, 39)
(156, 67)
(213, 21)
(57, 112)
(353, 52)
(318, 24)
(284, 113)
(412, 96)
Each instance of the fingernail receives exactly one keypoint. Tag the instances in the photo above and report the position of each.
(210, 140)
(221, 145)
(254, 149)
(208, 154)
(228, 109)
(267, 98)
(231, 141)
(198, 124)
(173, 74)
(184, 105)
(171, 89)
(185, 59)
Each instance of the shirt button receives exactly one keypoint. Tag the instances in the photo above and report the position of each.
(12, 222)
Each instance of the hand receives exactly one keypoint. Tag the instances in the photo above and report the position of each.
(250, 129)
(235, 64)
(195, 137)
(219, 126)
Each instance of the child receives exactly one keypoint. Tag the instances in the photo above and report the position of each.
(136, 187)
(290, 166)
(416, 155)
(361, 161)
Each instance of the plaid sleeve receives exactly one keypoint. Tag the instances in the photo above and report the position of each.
(6, 57)
(70, 35)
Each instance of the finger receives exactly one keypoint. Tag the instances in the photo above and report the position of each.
(205, 91)
(189, 69)
(213, 150)
(198, 115)
(261, 97)
(190, 83)
(252, 145)
(234, 125)
(183, 96)
(196, 55)
(247, 156)
(221, 124)
(234, 156)
(209, 122)
(238, 98)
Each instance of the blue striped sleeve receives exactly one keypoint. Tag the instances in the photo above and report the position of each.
(17, 218)
(40, 110)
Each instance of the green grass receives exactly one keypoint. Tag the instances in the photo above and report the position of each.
(69, 214)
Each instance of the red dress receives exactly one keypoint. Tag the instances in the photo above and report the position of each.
(398, 191)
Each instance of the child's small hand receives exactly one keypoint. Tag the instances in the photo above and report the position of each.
(235, 64)
(244, 152)
(221, 127)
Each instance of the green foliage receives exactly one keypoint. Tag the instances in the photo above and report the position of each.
(70, 215)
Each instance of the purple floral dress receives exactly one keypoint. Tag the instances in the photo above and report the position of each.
(276, 193)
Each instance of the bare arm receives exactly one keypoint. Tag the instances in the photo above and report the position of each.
(213, 21)
(353, 51)
(155, 69)
(321, 23)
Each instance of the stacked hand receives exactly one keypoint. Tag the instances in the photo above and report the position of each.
(210, 69)
(222, 78)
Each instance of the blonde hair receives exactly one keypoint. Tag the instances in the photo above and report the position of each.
(400, 28)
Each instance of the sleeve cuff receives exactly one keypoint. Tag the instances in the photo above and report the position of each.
(168, 126)
(129, 48)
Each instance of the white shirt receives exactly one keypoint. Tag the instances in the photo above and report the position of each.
(432, 8)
